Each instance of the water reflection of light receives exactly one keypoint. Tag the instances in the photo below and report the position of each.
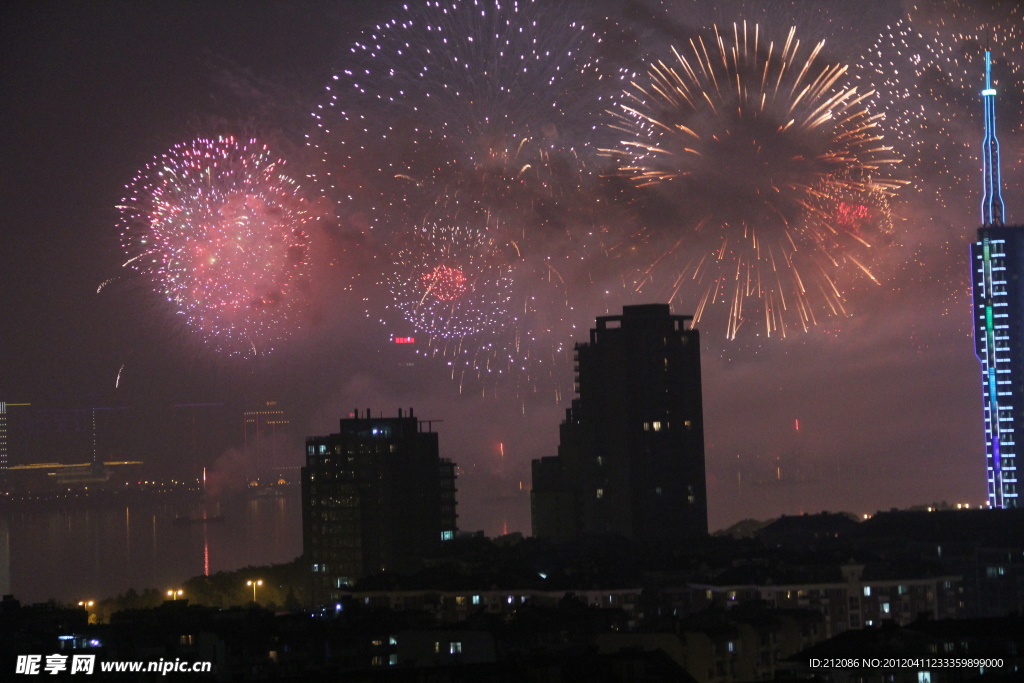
(127, 536)
(5, 557)
(43, 543)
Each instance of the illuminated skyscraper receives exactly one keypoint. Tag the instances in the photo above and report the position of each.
(631, 454)
(997, 259)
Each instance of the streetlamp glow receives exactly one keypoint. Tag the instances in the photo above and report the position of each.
(174, 594)
(86, 604)
(257, 582)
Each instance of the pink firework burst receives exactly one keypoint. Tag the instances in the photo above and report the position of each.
(222, 234)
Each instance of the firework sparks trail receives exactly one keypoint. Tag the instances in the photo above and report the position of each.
(221, 233)
(752, 141)
(105, 283)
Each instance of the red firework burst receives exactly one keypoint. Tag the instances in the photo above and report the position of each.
(444, 283)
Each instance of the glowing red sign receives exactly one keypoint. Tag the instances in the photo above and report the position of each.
(405, 340)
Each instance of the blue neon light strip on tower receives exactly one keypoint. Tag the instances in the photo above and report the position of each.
(995, 436)
(992, 202)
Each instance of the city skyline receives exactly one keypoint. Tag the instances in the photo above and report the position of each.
(792, 425)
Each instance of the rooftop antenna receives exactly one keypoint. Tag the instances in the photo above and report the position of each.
(992, 200)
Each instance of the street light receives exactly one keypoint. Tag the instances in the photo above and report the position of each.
(175, 594)
(258, 582)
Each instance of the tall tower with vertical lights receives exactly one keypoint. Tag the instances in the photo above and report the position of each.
(997, 259)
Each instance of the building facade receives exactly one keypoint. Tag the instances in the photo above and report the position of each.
(631, 452)
(854, 603)
(997, 262)
(376, 497)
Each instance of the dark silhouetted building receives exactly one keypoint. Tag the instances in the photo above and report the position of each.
(631, 455)
(375, 497)
(997, 259)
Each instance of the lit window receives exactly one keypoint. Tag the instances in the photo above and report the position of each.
(924, 677)
(510, 599)
(647, 426)
(455, 647)
(377, 643)
(437, 647)
(732, 646)
(392, 640)
(656, 426)
(460, 600)
(885, 607)
(903, 590)
(600, 493)
(600, 461)
(657, 490)
(447, 535)
(476, 599)
(392, 660)
(869, 622)
(323, 449)
(867, 591)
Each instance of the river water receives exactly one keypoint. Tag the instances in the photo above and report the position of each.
(89, 554)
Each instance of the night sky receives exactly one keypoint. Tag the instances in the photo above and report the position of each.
(887, 398)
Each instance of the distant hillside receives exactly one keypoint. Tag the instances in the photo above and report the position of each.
(746, 528)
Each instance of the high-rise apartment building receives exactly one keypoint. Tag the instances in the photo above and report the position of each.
(997, 262)
(376, 497)
(631, 454)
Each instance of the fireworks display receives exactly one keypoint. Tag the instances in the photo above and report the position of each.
(222, 234)
(450, 283)
(743, 140)
(471, 183)
(746, 176)
(485, 99)
(927, 76)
